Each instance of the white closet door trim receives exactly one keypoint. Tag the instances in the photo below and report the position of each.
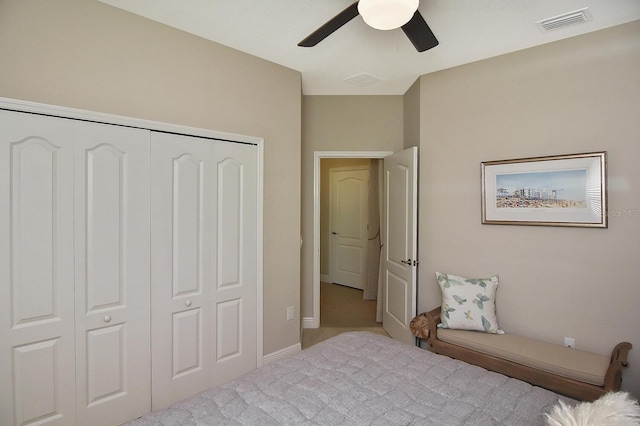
(260, 266)
(78, 114)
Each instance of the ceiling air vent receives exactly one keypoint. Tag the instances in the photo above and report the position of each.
(363, 79)
(577, 17)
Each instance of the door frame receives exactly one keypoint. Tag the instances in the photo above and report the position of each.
(314, 321)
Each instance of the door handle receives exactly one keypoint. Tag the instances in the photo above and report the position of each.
(334, 233)
(406, 262)
(410, 262)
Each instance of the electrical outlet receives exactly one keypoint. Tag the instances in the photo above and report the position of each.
(570, 342)
(290, 313)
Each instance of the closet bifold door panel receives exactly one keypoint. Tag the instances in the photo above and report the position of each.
(112, 264)
(37, 361)
(180, 296)
(234, 261)
(129, 264)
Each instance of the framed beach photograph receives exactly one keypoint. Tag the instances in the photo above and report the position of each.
(562, 190)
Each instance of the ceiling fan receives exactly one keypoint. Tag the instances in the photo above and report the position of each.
(383, 15)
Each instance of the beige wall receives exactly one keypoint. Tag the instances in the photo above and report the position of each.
(88, 55)
(411, 112)
(577, 95)
(341, 123)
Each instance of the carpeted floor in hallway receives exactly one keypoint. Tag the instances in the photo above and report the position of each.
(342, 309)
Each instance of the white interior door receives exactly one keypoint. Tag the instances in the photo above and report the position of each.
(348, 226)
(112, 273)
(37, 350)
(180, 293)
(400, 243)
(234, 260)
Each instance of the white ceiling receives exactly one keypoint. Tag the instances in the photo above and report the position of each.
(468, 31)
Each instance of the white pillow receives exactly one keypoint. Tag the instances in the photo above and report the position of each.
(469, 303)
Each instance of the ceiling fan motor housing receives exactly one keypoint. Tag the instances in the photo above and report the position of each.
(387, 14)
(410, 20)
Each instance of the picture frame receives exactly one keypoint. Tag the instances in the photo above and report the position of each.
(560, 190)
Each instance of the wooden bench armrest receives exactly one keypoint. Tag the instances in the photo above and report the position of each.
(434, 319)
(620, 352)
(613, 377)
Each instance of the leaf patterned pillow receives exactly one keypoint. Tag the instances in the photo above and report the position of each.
(469, 303)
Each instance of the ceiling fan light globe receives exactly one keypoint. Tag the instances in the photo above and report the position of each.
(387, 14)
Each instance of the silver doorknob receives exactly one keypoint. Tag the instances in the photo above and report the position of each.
(188, 302)
(107, 318)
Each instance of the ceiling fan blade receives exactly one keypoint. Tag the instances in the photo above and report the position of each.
(332, 25)
(419, 33)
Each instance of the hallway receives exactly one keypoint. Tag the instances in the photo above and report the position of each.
(342, 309)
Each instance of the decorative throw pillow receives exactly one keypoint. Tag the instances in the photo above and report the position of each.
(469, 303)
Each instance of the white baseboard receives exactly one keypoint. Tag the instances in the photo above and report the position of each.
(325, 278)
(310, 322)
(282, 353)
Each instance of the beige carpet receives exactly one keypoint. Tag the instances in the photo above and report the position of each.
(342, 309)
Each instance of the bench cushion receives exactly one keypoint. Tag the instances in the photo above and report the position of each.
(566, 362)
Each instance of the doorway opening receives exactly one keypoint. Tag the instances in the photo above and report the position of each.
(314, 322)
(399, 260)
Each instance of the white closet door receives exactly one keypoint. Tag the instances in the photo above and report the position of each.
(112, 273)
(180, 295)
(37, 362)
(234, 260)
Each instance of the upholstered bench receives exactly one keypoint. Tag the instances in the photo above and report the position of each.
(571, 372)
